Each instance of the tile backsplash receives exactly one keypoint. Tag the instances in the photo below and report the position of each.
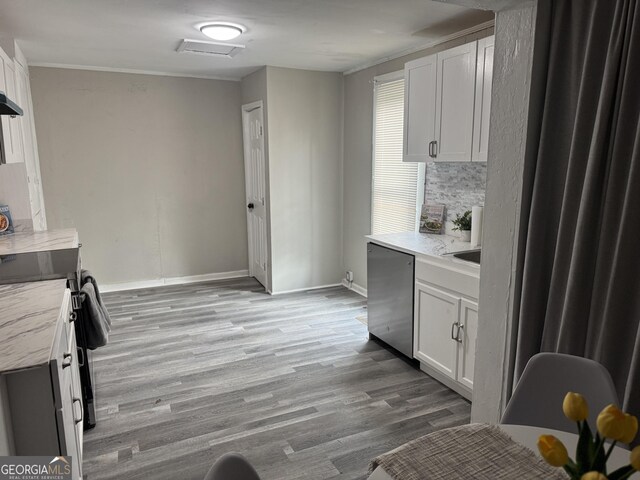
(459, 186)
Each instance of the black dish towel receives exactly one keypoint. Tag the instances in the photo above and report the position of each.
(97, 322)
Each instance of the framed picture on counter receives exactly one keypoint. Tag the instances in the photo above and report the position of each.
(6, 224)
(432, 218)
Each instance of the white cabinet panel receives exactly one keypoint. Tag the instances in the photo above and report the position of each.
(12, 133)
(448, 104)
(436, 316)
(455, 91)
(419, 108)
(482, 110)
(467, 346)
(28, 147)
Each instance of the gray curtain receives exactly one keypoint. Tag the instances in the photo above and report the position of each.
(580, 280)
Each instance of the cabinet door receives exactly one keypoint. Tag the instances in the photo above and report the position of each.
(436, 321)
(455, 90)
(11, 127)
(484, 79)
(5, 136)
(29, 153)
(467, 346)
(419, 108)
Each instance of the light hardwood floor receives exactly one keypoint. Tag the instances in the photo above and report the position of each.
(291, 381)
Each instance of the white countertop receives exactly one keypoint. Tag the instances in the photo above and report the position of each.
(29, 315)
(415, 243)
(38, 241)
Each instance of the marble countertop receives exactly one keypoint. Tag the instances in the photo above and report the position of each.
(38, 241)
(28, 321)
(415, 243)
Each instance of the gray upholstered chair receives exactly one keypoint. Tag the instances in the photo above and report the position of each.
(232, 466)
(547, 377)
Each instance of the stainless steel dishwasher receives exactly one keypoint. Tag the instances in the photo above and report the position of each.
(390, 284)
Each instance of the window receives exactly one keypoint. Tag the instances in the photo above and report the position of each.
(398, 187)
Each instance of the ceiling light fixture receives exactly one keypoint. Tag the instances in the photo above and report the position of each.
(222, 31)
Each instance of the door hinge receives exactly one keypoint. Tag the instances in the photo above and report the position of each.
(260, 130)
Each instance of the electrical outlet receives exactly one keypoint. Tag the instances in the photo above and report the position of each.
(349, 276)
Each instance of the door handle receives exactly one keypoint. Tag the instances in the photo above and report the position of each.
(67, 360)
(80, 356)
(458, 338)
(454, 332)
(433, 149)
(250, 206)
(79, 402)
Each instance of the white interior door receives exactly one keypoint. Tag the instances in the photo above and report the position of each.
(256, 195)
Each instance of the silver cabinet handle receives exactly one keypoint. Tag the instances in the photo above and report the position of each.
(454, 332)
(80, 357)
(67, 360)
(73, 316)
(433, 149)
(77, 421)
(458, 338)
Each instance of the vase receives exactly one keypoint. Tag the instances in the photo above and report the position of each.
(465, 235)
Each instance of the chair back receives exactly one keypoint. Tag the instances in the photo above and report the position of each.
(547, 377)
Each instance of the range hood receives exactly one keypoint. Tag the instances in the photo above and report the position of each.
(7, 107)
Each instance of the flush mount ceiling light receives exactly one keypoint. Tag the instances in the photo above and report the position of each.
(222, 31)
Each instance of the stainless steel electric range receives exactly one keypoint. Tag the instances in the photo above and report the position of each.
(51, 265)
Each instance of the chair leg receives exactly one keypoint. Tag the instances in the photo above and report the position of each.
(232, 466)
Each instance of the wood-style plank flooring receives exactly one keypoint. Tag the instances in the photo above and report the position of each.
(291, 381)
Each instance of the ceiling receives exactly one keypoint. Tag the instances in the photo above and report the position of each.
(329, 35)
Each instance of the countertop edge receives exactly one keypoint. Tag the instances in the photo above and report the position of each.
(442, 259)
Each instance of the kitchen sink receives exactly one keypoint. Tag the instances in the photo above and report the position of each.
(470, 256)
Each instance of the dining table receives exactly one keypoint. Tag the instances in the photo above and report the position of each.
(527, 436)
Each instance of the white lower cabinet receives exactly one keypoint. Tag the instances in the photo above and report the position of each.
(437, 313)
(468, 332)
(446, 324)
(45, 401)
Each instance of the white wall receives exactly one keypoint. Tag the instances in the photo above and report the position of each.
(149, 169)
(503, 202)
(305, 172)
(358, 132)
(15, 193)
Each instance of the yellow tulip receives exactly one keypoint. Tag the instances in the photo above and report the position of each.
(612, 423)
(575, 407)
(635, 458)
(593, 476)
(553, 450)
(630, 428)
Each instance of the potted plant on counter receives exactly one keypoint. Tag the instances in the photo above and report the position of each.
(462, 223)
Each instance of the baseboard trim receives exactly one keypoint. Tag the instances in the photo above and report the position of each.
(355, 288)
(447, 382)
(160, 282)
(295, 290)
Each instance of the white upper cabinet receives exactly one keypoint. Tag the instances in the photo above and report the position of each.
(419, 100)
(18, 134)
(484, 78)
(447, 104)
(11, 128)
(455, 90)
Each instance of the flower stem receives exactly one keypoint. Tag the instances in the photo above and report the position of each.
(613, 444)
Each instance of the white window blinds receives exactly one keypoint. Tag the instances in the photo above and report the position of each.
(397, 186)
